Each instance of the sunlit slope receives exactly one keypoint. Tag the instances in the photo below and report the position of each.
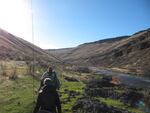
(15, 48)
(128, 53)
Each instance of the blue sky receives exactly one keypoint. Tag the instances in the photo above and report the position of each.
(68, 23)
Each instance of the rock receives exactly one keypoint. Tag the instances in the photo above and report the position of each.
(107, 81)
(132, 97)
(88, 105)
(70, 79)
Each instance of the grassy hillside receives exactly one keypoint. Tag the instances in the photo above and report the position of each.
(17, 96)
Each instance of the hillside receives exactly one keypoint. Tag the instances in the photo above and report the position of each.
(15, 48)
(126, 53)
(60, 53)
(84, 51)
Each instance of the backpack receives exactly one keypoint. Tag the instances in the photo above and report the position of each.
(54, 80)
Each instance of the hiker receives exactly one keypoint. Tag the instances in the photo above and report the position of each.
(48, 99)
(50, 73)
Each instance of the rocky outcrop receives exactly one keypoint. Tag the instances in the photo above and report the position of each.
(97, 89)
(88, 105)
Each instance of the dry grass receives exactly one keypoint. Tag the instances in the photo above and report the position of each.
(10, 69)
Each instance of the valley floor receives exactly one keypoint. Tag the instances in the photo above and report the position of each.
(19, 95)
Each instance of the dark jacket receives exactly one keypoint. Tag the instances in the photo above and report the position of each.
(48, 100)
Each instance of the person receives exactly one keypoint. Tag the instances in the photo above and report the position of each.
(50, 73)
(48, 99)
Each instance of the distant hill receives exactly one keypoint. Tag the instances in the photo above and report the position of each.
(83, 50)
(124, 53)
(15, 48)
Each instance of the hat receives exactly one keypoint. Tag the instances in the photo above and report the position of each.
(47, 81)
